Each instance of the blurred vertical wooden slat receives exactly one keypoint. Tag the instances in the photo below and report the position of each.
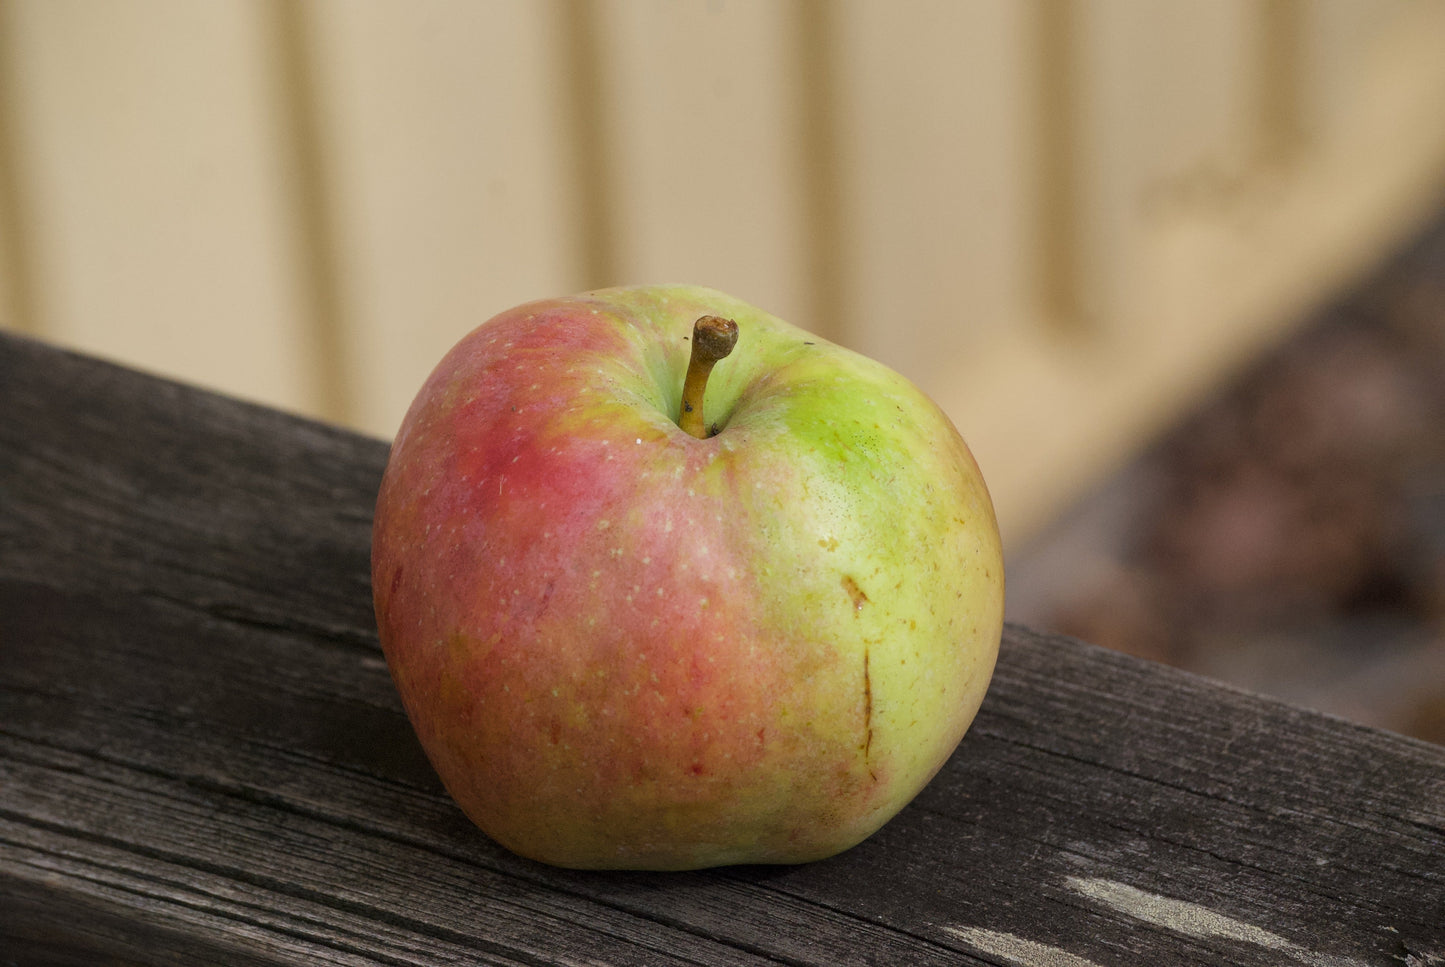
(593, 150)
(935, 168)
(144, 157)
(820, 125)
(446, 151)
(325, 340)
(703, 115)
(1055, 64)
(1167, 107)
(1336, 37)
(1159, 97)
(1203, 241)
(18, 311)
(1279, 51)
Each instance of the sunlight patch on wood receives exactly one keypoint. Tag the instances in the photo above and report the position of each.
(1195, 920)
(1018, 951)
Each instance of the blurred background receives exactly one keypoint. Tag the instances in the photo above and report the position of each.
(1176, 268)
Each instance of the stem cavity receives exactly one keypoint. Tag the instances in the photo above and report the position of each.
(713, 338)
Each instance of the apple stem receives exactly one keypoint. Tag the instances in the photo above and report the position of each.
(713, 338)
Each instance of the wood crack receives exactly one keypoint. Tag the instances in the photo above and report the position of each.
(307, 810)
(242, 615)
(1273, 812)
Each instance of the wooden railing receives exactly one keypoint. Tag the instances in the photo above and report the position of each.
(203, 760)
(1065, 220)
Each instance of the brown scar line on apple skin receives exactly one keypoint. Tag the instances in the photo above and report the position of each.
(858, 595)
(868, 713)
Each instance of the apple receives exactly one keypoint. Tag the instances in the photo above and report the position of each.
(634, 632)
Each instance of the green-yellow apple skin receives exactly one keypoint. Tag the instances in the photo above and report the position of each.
(622, 646)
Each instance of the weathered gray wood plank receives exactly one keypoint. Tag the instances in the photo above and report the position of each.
(202, 759)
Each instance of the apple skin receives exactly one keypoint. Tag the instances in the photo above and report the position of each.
(625, 647)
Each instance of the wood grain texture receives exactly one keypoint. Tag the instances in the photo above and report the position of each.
(203, 760)
(450, 176)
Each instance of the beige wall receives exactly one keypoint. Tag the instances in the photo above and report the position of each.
(1065, 220)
